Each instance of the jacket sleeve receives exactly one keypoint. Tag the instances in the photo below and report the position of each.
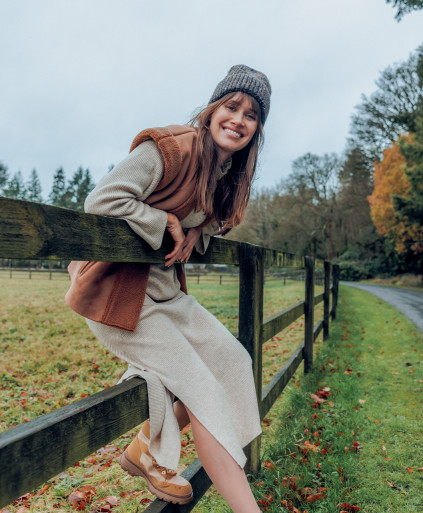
(207, 232)
(121, 193)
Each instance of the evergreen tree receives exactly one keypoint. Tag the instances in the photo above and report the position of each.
(78, 189)
(15, 187)
(4, 177)
(57, 195)
(355, 229)
(412, 206)
(33, 188)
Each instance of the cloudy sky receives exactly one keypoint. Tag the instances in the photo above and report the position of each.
(79, 78)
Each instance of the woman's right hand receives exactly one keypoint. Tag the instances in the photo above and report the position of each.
(175, 229)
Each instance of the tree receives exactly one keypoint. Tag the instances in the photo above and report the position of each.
(316, 173)
(411, 206)
(391, 110)
(313, 182)
(405, 6)
(15, 187)
(33, 188)
(354, 225)
(57, 195)
(4, 176)
(391, 180)
(78, 189)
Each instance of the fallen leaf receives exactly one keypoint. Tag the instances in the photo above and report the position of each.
(362, 401)
(43, 489)
(318, 399)
(77, 500)
(270, 465)
(410, 469)
(383, 448)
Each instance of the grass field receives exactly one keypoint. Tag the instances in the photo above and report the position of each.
(346, 437)
(349, 438)
(49, 358)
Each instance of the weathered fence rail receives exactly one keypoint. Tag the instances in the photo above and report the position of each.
(35, 231)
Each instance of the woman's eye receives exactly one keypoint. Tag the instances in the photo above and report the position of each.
(230, 107)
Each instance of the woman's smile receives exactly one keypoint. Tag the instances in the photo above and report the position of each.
(233, 125)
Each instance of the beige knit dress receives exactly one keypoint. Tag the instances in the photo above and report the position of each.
(178, 347)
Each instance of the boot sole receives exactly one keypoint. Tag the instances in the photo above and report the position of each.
(135, 470)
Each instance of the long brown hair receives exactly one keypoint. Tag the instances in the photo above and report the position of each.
(226, 199)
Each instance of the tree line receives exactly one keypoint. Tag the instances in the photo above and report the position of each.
(67, 193)
(364, 208)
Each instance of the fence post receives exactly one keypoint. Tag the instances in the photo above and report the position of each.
(326, 300)
(251, 276)
(309, 314)
(335, 286)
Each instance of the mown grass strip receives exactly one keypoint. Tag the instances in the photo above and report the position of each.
(349, 434)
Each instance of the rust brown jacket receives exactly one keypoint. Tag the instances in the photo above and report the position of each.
(111, 292)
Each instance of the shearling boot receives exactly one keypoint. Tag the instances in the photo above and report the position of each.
(162, 482)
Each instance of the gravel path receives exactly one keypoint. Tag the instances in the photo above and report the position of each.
(408, 302)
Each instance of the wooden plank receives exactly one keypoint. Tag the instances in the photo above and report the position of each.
(335, 292)
(326, 300)
(275, 258)
(309, 314)
(200, 482)
(279, 321)
(251, 280)
(318, 298)
(317, 329)
(279, 382)
(38, 450)
(35, 231)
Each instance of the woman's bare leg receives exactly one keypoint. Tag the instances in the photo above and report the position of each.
(181, 414)
(228, 477)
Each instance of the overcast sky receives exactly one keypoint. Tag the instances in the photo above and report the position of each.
(80, 78)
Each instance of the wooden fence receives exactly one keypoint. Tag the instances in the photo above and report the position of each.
(37, 232)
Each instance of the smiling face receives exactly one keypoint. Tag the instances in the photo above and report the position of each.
(233, 124)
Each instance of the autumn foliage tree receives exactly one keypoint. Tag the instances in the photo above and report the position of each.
(390, 180)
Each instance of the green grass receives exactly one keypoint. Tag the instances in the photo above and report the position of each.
(404, 281)
(362, 447)
(49, 358)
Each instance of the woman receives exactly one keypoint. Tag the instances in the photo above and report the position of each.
(194, 181)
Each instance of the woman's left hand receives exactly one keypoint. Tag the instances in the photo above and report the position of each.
(191, 237)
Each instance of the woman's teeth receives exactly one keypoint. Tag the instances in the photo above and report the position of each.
(236, 134)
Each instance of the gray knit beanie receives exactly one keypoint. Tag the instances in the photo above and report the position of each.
(247, 80)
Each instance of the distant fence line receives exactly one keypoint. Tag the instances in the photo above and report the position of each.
(207, 277)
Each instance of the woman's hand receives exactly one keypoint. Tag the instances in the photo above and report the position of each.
(184, 243)
(174, 227)
(191, 237)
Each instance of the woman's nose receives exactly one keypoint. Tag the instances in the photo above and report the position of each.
(238, 118)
